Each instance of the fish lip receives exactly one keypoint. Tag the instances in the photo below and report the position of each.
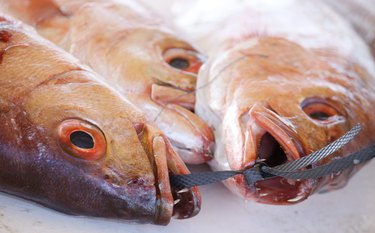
(165, 162)
(163, 204)
(280, 131)
(187, 202)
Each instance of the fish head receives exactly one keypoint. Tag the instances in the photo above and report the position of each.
(93, 154)
(71, 143)
(163, 69)
(282, 102)
(148, 64)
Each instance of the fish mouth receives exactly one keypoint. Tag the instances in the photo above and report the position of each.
(270, 151)
(272, 141)
(170, 202)
(275, 142)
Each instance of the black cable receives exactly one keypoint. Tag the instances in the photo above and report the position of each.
(291, 170)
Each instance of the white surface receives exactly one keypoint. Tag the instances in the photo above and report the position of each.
(350, 210)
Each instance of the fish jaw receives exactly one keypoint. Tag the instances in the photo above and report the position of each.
(171, 202)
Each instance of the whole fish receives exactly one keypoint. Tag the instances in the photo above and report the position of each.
(69, 142)
(136, 54)
(361, 14)
(284, 78)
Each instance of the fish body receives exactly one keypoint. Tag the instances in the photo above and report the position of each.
(136, 54)
(283, 79)
(69, 142)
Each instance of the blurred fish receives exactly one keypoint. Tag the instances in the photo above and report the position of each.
(361, 14)
(69, 142)
(136, 54)
(284, 78)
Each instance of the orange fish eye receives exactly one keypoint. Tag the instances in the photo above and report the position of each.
(82, 139)
(319, 109)
(182, 59)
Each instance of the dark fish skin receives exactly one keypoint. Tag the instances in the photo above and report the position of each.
(44, 91)
(69, 186)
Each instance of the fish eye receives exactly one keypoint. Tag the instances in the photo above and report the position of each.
(81, 139)
(182, 59)
(180, 63)
(320, 110)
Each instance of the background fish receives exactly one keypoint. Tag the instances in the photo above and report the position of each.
(284, 78)
(71, 143)
(361, 14)
(136, 54)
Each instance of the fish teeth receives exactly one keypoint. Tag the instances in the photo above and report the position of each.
(183, 190)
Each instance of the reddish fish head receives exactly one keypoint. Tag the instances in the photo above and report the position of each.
(282, 103)
(71, 143)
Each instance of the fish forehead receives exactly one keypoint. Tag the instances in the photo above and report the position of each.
(275, 64)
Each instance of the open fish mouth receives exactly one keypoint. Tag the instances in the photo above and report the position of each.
(270, 151)
(171, 202)
(276, 142)
(270, 140)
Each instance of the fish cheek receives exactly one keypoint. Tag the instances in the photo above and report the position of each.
(124, 159)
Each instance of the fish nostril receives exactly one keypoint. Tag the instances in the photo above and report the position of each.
(270, 151)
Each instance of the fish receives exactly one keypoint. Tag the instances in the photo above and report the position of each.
(283, 79)
(361, 15)
(69, 142)
(137, 54)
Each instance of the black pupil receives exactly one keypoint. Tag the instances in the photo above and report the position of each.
(82, 140)
(179, 63)
(319, 116)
